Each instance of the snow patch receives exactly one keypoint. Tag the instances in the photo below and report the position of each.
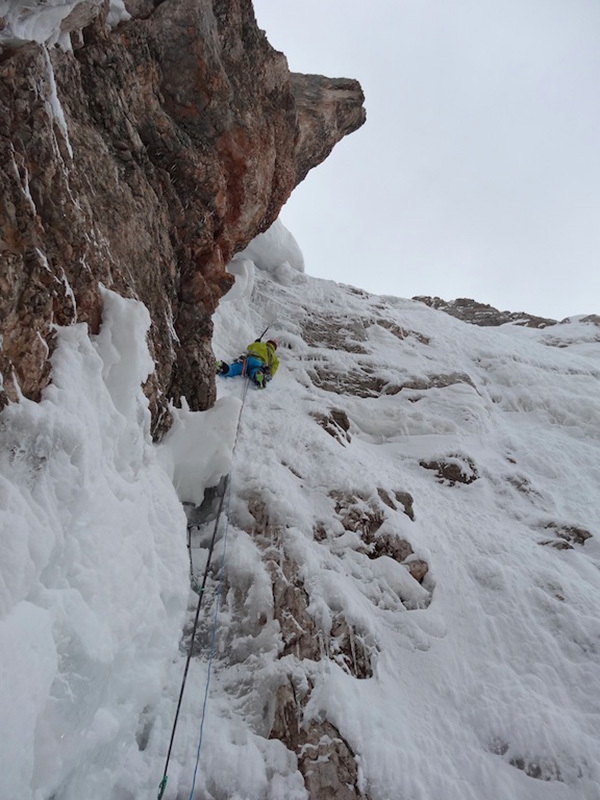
(197, 451)
(40, 20)
(275, 251)
(94, 570)
(54, 105)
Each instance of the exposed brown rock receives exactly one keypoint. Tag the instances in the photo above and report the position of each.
(402, 333)
(326, 108)
(81, 16)
(418, 568)
(336, 423)
(299, 633)
(385, 498)
(459, 470)
(593, 319)
(335, 333)
(567, 536)
(558, 544)
(571, 533)
(320, 533)
(523, 485)
(144, 160)
(340, 418)
(325, 759)
(358, 383)
(358, 514)
(437, 381)
(483, 314)
(390, 545)
(362, 383)
(290, 604)
(544, 768)
(328, 764)
(349, 650)
(406, 500)
(362, 516)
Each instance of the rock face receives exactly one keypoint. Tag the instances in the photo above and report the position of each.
(143, 161)
(483, 314)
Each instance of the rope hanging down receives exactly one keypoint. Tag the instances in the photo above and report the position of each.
(213, 639)
(226, 493)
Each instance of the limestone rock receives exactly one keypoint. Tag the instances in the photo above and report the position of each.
(325, 759)
(483, 314)
(567, 536)
(453, 469)
(325, 108)
(144, 160)
(336, 423)
(418, 568)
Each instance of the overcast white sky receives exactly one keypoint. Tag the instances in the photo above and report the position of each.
(477, 173)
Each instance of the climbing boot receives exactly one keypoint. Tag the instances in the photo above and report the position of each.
(259, 379)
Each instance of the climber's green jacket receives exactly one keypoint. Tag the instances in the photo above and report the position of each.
(266, 352)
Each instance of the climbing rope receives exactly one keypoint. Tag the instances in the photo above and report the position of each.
(213, 637)
(212, 641)
(226, 493)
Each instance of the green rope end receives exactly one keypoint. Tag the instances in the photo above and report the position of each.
(162, 787)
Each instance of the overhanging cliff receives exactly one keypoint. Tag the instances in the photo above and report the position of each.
(143, 160)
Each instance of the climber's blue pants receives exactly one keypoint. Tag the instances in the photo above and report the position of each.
(252, 364)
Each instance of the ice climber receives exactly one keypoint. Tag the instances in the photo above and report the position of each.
(259, 363)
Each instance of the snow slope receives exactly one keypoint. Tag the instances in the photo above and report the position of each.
(481, 681)
(497, 678)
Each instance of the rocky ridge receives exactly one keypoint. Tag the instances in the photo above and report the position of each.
(143, 160)
(483, 314)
